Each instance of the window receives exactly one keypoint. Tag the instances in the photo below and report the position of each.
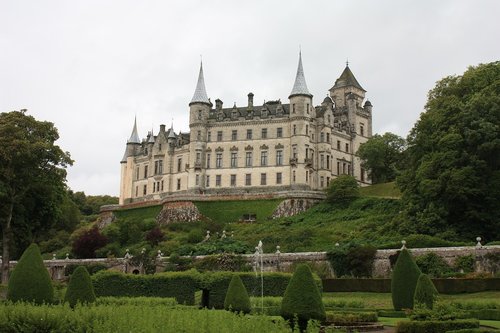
(279, 177)
(198, 135)
(208, 161)
(322, 181)
(348, 169)
(294, 129)
(199, 114)
(264, 133)
(322, 161)
(248, 159)
(158, 167)
(328, 162)
(179, 164)
(279, 132)
(198, 157)
(249, 134)
(263, 179)
(154, 187)
(136, 190)
(347, 147)
(234, 159)
(218, 160)
(362, 174)
(219, 135)
(209, 136)
(312, 136)
(197, 180)
(207, 184)
(293, 108)
(327, 181)
(328, 137)
(137, 174)
(338, 168)
(293, 176)
(162, 185)
(144, 189)
(263, 158)
(338, 144)
(322, 137)
(178, 184)
(218, 180)
(343, 168)
(307, 108)
(234, 135)
(233, 180)
(294, 152)
(145, 171)
(248, 179)
(307, 176)
(307, 129)
(362, 129)
(279, 157)
(329, 119)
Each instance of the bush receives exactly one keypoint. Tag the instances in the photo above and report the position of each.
(92, 269)
(457, 286)
(88, 242)
(222, 262)
(432, 265)
(435, 326)
(352, 259)
(425, 292)
(473, 330)
(302, 298)
(404, 280)
(345, 317)
(155, 236)
(137, 301)
(464, 264)
(80, 289)
(30, 280)
(342, 190)
(237, 296)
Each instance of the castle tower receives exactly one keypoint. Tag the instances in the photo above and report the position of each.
(127, 165)
(199, 109)
(301, 128)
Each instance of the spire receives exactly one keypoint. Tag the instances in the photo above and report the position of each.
(134, 137)
(200, 93)
(171, 133)
(300, 86)
(347, 79)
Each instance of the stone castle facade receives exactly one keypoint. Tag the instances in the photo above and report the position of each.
(269, 148)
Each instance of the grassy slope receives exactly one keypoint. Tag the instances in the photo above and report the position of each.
(231, 211)
(386, 190)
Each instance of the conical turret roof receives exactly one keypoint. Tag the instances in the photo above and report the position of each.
(134, 137)
(200, 93)
(300, 85)
(347, 79)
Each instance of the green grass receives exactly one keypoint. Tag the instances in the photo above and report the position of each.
(392, 322)
(232, 211)
(385, 190)
(139, 213)
(490, 323)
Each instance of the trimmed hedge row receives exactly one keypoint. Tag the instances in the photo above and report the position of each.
(474, 330)
(180, 285)
(345, 317)
(485, 314)
(435, 326)
(444, 286)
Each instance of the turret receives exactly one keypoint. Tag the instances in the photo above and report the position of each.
(127, 165)
(344, 86)
(300, 97)
(200, 104)
(132, 143)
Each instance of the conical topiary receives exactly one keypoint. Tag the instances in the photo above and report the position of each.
(302, 298)
(404, 280)
(425, 292)
(30, 280)
(237, 296)
(80, 288)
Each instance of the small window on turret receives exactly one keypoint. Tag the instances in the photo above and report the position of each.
(199, 115)
(293, 108)
(361, 129)
(307, 108)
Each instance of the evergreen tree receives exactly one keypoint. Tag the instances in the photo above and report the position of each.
(425, 292)
(237, 296)
(404, 281)
(80, 288)
(30, 280)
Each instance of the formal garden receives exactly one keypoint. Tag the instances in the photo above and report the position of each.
(225, 301)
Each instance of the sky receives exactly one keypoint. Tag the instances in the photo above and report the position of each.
(91, 66)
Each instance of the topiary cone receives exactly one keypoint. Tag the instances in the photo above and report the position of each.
(425, 292)
(30, 280)
(80, 288)
(302, 298)
(404, 281)
(237, 296)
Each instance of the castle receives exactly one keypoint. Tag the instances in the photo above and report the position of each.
(270, 148)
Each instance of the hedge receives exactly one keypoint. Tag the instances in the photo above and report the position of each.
(237, 296)
(435, 326)
(404, 281)
(485, 314)
(474, 330)
(343, 317)
(443, 286)
(80, 289)
(180, 285)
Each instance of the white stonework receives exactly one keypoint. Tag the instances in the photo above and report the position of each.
(252, 149)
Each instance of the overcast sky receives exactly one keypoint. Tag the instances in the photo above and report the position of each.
(91, 66)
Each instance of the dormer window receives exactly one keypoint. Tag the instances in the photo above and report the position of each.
(263, 113)
(234, 115)
(220, 116)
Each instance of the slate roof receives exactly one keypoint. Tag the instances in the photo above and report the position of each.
(200, 93)
(347, 79)
(134, 137)
(300, 85)
(271, 107)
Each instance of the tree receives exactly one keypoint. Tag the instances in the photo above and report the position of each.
(85, 245)
(452, 179)
(404, 281)
(382, 156)
(425, 292)
(302, 298)
(80, 288)
(342, 190)
(237, 296)
(30, 281)
(32, 178)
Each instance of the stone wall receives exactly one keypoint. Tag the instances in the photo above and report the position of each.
(179, 211)
(291, 207)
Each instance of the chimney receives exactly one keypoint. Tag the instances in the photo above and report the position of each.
(218, 104)
(250, 101)
(162, 128)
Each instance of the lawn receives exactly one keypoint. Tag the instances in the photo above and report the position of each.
(385, 190)
(232, 211)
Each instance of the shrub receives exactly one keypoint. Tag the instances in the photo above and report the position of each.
(92, 269)
(80, 289)
(222, 262)
(155, 236)
(302, 298)
(425, 292)
(404, 280)
(432, 265)
(464, 264)
(346, 317)
(30, 280)
(342, 190)
(435, 326)
(352, 259)
(237, 296)
(88, 242)
(473, 330)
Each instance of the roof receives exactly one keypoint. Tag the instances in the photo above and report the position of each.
(272, 107)
(134, 137)
(347, 79)
(200, 93)
(300, 85)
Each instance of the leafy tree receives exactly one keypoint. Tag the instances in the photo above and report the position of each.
(382, 156)
(433, 265)
(342, 190)
(425, 292)
(80, 289)
(237, 296)
(30, 281)
(404, 281)
(32, 178)
(452, 179)
(88, 242)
